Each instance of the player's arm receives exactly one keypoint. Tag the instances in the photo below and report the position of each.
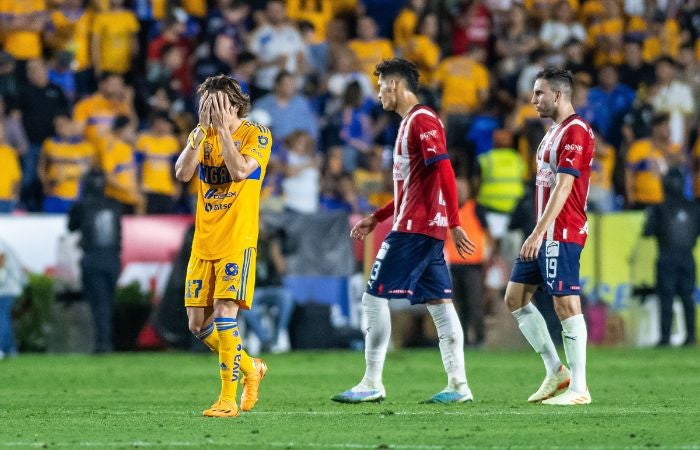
(188, 160)
(564, 184)
(369, 223)
(448, 187)
(239, 166)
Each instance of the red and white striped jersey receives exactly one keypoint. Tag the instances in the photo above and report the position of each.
(418, 203)
(566, 148)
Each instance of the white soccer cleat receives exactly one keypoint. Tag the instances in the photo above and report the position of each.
(361, 394)
(551, 385)
(569, 398)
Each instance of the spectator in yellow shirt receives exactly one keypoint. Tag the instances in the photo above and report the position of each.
(369, 48)
(422, 49)
(601, 195)
(647, 161)
(663, 38)
(95, 114)
(118, 162)
(114, 39)
(65, 158)
(10, 174)
(69, 31)
(21, 22)
(156, 152)
(406, 22)
(317, 12)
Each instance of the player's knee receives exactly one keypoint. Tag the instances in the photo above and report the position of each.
(513, 302)
(195, 328)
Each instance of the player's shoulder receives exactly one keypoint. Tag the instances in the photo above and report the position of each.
(422, 115)
(254, 128)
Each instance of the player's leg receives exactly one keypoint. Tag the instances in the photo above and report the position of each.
(225, 313)
(685, 291)
(434, 288)
(666, 290)
(377, 334)
(575, 337)
(234, 287)
(451, 343)
(199, 302)
(561, 269)
(524, 279)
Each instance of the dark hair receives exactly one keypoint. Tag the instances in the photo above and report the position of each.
(559, 79)
(231, 88)
(660, 118)
(245, 57)
(281, 75)
(106, 75)
(120, 122)
(402, 68)
(666, 59)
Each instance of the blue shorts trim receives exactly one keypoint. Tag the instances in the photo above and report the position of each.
(556, 269)
(412, 266)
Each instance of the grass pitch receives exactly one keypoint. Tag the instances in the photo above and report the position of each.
(643, 398)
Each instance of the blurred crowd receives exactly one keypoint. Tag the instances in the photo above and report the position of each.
(111, 84)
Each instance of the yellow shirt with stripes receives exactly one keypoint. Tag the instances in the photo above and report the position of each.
(10, 172)
(73, 35)
(23, 44)
(67, 160)
(115, 30)
(96, 114)
(156, 154)
(462, 79)
(117, 158)
(228, 211)
(647, 163)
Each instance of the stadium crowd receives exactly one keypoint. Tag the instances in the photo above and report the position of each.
(111, 84)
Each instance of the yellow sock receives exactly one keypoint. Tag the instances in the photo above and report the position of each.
(247, 363)
(209, 337)
(229, 356)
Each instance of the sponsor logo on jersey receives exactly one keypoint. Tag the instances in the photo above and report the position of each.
(401, 291)
(575, 288)
(214, 194)
(208, 207)
(231, 269)
(428, 134)
(569, 160)
(431, 149)
(438, 221)
(573, 147)
(230, 288)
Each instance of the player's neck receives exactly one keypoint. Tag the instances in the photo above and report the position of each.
(563, 113)
(235, 124)
(405, 103)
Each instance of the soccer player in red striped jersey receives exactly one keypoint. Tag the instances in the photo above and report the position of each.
(410, 263)
(550, 256)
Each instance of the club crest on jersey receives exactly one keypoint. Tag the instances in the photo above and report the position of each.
(232, 269)
(207, 150)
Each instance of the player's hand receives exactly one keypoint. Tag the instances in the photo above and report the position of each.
(205, 106)
(531, 247)
(363, 227)
(222, 110)
(464, 245)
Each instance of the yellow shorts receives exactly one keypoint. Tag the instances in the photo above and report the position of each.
(226, 278)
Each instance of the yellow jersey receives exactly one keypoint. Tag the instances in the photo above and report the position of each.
(23, 44)
(96, 114)
(425, 54)
(647, 163)
(67, 160)
(404, 27)
(461, 78)
(156, 155)
(196, 8)
(318, 12)
(371, 53)
(602, 167)
(73, 35)
(10, 172)
(115, 30)
(227, 211)
(117, 158)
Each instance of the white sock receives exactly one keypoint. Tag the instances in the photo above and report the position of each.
(534, 329)
(451, 337)
(377, 336)
(575, 338)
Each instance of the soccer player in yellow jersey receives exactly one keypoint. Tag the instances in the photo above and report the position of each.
(230, 155)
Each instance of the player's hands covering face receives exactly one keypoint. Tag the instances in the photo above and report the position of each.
(205, 110)
(222, 110)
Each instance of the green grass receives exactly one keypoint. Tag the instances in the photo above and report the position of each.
(641, 399)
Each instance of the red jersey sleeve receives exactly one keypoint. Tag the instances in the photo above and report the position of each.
(571, 150)
(429, 135)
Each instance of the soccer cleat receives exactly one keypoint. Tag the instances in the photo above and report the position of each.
(552, 385)
(251, 385)
(222, 408)
(568, 398)
(360, 394)
(448, 396)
